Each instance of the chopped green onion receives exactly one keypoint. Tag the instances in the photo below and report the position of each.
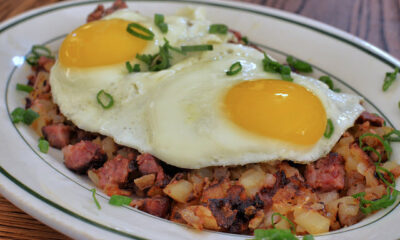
(135, 68)
(273, 234)
(285, 73)
(299, 65)
(197, 48)
(390, 174)
(329, 129)
(160, 60)
(17, 115)
(275, 67)
(388, 137)
(390, 77)
(24, 88)
(292, 226)
(149, 35)
(43, 145)
(398, 104)
(118, 200)
(234, 69)
(40, 50)
(159, 22)
(105, 99)
(386, 144)
(93, 190)
(30, 116)
(327, 80)
(245, 40)
(367, 206)
(36, 52)
(218, 28)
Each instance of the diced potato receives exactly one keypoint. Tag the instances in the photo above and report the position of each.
(312, 221)
(282, 224)
(181, 190)
(207, 218)
(93, 176)
(190, 217)
(145, 181)
(256, 220)
(253, 180)
(348, 211)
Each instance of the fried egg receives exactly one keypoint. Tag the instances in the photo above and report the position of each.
(194, 115)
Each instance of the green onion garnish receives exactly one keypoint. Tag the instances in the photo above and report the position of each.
(197, 48)
(275, 67)
(367, 206)
(299, 65)
(135, 68)
(273, 234)
(160, 60)
(24, 88)
(292, 226)
(17, 115)
(25, 116)
(159, 22)
(329, 129)
(149, 35)
(30, 116)
(390, 77)
(308, 237)
(105, 99)
(43, 145)
(118, 200)
(234, 69)
(93, 190)
(388, 137)
(36, 52)
(218, 28)
(245, 40)
(328, 81)
(385, 143)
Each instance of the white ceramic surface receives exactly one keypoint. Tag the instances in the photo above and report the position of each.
(41, 185)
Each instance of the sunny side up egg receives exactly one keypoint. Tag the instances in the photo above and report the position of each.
(193, 115)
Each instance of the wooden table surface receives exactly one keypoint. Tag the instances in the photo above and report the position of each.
(377, 22)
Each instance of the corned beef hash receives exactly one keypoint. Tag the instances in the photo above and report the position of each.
(186, 120)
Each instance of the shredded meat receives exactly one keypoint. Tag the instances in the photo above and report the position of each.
(374, 119)
(82, 156)
(100, 11)
(148, 165)
(327, 173)
(58, 135)
(157, 206)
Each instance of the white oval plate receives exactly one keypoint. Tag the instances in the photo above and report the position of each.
(41, 185)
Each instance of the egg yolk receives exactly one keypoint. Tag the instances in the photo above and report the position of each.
(277, 109)
(100, 43)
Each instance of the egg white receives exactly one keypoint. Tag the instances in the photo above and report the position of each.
(175, 114)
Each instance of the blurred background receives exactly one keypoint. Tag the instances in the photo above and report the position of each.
(376, 21)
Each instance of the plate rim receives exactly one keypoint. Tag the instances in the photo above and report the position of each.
(253, 8)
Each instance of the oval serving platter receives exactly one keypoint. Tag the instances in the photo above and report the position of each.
(40, 184)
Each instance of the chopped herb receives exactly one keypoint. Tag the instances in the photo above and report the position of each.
(367, 206)
(299, 65)
(385, 143)
(292, 226)
(135, 68)
(17, 115)
(329, 129)
(245, 40)
(36, 52)
(30, 116)
(390, 77)
(277, 234)
(398, 104)
(24, 88)
(328, 81)
(388, 137)
(159, 22)
(105, 99)
(93, 190)
(218, 28)
(234, 69)
(118, 200)
(43, 145)
(160, 60)
(275, 67)
(197, 48)
(148, 35)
